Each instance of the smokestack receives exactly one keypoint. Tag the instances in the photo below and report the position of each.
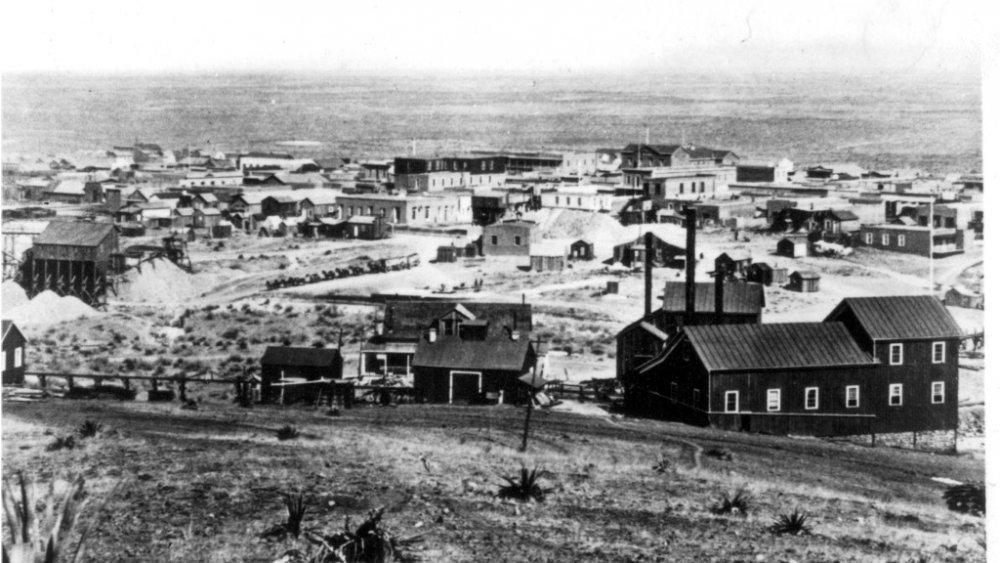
(720, 289)
(689, 288)
(649, 273)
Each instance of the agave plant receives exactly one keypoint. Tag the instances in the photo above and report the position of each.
(89, 429)
(288, 432)
(524, 487)
(738, 503)
(794, 523)
(368, 543)
(62, 443)
(967, 498)
(295, 505)
(27, 544)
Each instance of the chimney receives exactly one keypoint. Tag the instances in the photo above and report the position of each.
(720, 292)
(689, 287)
(649, 274)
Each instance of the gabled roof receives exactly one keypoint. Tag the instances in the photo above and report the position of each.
(407, 319)
(184, 212)
(806, 274)
(208, 211)
(843, 215)
(300, 356)
(207, 197)
(738, 298)
(69, 187)
(451, 352)
(901, 317)
(738, 347)
(74, 233)
(8, 325)
(658, 149)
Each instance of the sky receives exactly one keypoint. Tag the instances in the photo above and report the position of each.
(568, 36)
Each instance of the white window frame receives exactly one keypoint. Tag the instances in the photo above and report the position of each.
(900, 240)
(451, 382)
(18, 356)
(725, 404)
(898, 346)
(896, 391)
(815, 404)
(934, 353)
(935, 385)
(3, 360)
(869, 238)
(673, 391)
(885, 239)
(775, 405)
(857, 396)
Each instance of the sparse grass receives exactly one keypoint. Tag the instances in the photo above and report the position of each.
(738, 503)
(287, 432)
(795, 523)
(524, 486)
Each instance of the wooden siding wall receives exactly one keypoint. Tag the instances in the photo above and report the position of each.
(917, 414)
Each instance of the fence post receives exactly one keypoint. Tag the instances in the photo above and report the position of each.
(128, 383)
(69, 381)
(42, 380)
(183, 389)
(156, 385)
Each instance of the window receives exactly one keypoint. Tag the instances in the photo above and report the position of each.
(427, 212)
(493, 240)
(896, 395)
(517, 241)
(382, 212)
(579, 201)
(869, 238)
(895, 354)
(853, 398)
(773, 400)
(18, 356)
(901, 240)
(557, 200)
(703, 187)
(732, 401)
(413, 215)
(682, 187)
(937, 392)
(937, 353)
(812, 398)
(3, 360)
(696, 397)
(885, 240)
(350, 211)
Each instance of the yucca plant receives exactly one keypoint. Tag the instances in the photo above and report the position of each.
(524, 487)
(793, 523)
(62, 443)
(27, 545)
(969, 498)
(738, 503)
(368, 543)
(288, 432)
(295, 506)
(89, 429)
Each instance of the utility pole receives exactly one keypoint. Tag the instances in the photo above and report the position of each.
(930, 226)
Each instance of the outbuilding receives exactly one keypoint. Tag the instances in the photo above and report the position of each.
(804, 281)
(582, 249)
(462, 368)
(548, 257)
(793, 247)
(959, 296)
(290, 364)
(13, 360)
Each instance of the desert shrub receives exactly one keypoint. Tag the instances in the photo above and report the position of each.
(89, 429)
(62, 443)
(160, 395)
(26, 540)
(295, 509)
(720, 453)
(738, 503)
(288, 432)
(230, 333)
(370, 542)
(967, 498)
(794, 523)
(524, 487)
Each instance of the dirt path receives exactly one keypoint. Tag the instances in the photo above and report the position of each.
(695, 449)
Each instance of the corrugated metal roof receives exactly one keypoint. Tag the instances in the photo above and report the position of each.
(775, 346)
(300, 356)
(74, 233)
(452, 352)
(738, 298)
(900, 317)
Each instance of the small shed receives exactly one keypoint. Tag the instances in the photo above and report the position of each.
(472, 249)
(368, 227)
(804, 281)
(959, 296)
(13, 360)
(207, 217)
(133, 229)
(295, 365)
(582, 249)
(447, 254)
(733, 264)
(548, 257)
(793, 247)
(760, 272)
(223, 230)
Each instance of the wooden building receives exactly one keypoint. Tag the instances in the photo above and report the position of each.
(548, 257)
(206, 217)
(793, 247)
(915, 342)
(509, 238)
(959, 296)
(733, 265)
(71, 258)
(14, 359)
(470, 364)
(367, 227)
(296, 364)
(804, 281)
(668, 247)
(763, 273)
(914, 240)
(447, 253)
(582, 249)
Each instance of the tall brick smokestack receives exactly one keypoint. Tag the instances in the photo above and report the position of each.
(720, 290)
(649, 273)
(689, 288)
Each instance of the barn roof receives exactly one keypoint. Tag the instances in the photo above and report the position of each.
(900, 317)
(738, 298)
(500, 353)
(74, 233)
(300, 356)
(775, 346)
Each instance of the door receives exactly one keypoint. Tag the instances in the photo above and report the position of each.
(464, 386)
